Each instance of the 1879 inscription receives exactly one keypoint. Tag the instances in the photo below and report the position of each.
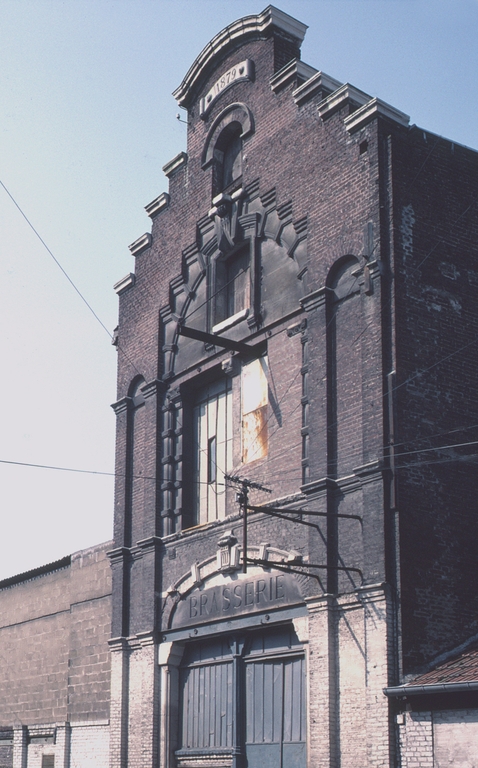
(243, 70)
(235, 598)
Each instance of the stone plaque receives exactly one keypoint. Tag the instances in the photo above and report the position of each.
(238, 597)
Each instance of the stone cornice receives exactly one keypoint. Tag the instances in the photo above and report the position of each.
(175, 164)
(152, 388)
(118, 644)
(126, 282)
(141, 244)
(319, 486)
(157, 205)
(234, 35)
(370, 472)
(371, 110)
(314, 300)
(121, 405)
(118, 555)
(149, 544)
(346, 94)
(316, 82)
(293, 70)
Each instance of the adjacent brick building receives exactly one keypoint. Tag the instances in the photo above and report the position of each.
(55, 625)
(298, 340)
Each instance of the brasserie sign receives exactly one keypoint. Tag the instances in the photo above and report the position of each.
(236, 598)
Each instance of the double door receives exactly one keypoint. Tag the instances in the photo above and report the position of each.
(246, 697)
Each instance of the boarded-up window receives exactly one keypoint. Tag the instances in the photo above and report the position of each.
(254, 410)
(212, 419)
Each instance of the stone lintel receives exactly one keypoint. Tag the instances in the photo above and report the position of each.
(88, 723)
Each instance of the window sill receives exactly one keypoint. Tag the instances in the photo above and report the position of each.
(230, 321)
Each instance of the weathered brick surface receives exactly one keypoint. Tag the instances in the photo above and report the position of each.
(380, 294)
(89, 746)
(364, 248)
(54, 638)
(416, 740)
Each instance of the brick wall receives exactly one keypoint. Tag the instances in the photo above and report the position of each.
(54, 642)
(436, 398)
(444, 738)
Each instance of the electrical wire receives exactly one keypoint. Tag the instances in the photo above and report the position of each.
(408, 380)
(56, 260)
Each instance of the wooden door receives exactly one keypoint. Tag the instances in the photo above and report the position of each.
(275, 713)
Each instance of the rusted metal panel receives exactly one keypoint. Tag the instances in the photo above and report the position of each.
(254, 410)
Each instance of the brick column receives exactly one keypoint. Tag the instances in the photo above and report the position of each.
(119, 703)
(20, 746)
(322, 694)
(315, 368)
(169, 658)
(63, 745)
(152, 393)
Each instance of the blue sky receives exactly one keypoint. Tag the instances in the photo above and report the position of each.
(87, 121)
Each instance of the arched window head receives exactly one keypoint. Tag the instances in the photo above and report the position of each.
(135, 391)
(228, 158)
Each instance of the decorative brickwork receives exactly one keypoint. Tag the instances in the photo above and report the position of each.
(296, 419)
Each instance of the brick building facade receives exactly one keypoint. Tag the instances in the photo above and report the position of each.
(295, 497)
(55, 625)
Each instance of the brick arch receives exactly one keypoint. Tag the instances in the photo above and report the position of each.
(233, 113)
(340, 274)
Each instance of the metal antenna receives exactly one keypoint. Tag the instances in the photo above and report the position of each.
(242, 496)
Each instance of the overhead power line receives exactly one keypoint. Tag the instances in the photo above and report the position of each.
(56, 260)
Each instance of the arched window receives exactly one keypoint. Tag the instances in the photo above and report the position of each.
(228, 158)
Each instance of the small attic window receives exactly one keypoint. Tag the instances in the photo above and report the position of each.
(228, 158)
